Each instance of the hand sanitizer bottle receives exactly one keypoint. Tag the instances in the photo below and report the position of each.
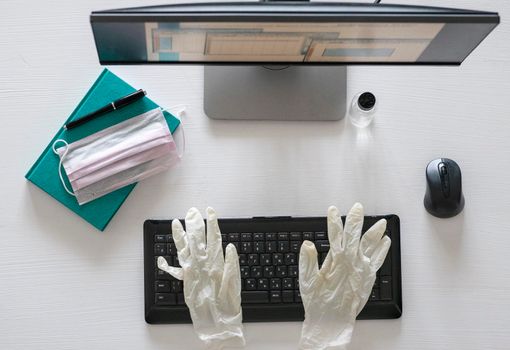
(363, 109)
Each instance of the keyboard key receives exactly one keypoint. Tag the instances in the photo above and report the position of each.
(288, 296)
(160, 238)
(245, 271)
(296, 283)
(162, 286)
(259, 247)
(275, 296)
(180, 299)
(162, 275)
(253, 259)
(223, 237)
(175, 286)
(296, 236)
(251, 284)
(295, 246)
(246, 247)
(169, 238)
(386, 266)
(310, 236)
(297, 296)
(256, 271)
(283, 236)
(277, 259)
(256, 297)
(288, 283)
(281, 271)
(268, 271)
(172, 250)
(385, 288)
(233, 237)
(283, 246)
(258, 236)
(374, 295)
(271, 246)
(160, 249)
(263, 284)
(276, 283)
(271, 236)
(293, 271)
(165, 299)
(290, 259)
(320, 235)
(265, 259)
(322, 246)
(235, 244)
(246, 237)
(243, 259)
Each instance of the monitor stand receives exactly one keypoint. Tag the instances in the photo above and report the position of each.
(275, 92)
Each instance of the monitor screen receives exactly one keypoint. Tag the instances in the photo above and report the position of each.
(293, 33)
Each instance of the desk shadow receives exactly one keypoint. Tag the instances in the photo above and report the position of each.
(257, 335)
(376, 334)
(64, 227)
(448, 233)
(175, 336)
(273, 130)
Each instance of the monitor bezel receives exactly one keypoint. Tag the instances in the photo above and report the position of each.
(484, 21)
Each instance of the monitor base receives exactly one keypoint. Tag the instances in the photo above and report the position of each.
(275, 92)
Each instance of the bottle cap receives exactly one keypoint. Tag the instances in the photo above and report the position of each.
(366, 101)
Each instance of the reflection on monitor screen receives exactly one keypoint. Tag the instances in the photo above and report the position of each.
(288, 42)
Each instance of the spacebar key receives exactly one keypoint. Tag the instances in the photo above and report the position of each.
(254, 297)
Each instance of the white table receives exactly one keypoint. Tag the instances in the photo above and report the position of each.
(64, 285)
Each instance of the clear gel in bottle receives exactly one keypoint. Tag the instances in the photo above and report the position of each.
(363, 109)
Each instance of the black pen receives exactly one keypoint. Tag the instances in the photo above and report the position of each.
(121, 102)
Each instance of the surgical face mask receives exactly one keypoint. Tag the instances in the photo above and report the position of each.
(115, 157)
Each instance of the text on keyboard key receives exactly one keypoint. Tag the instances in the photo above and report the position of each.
(165, 299)
(162, 286)
(276, 296)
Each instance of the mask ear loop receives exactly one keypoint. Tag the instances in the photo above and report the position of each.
(181, 110)
(60, 163)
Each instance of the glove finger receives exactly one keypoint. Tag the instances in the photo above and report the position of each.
(327, 264)
(352, 229)
(308, 266)
(174, 271)
(181, 241)
(380, 252)
(195, 232)
(230, 290)
(214, 250)
(372, 237)
(335, 229)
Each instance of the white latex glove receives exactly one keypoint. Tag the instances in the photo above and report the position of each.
(334, 295)
(212, 285)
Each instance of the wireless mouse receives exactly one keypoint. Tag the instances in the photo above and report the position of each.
(444, 197)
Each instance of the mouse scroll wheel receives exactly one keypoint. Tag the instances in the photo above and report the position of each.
(443, 169)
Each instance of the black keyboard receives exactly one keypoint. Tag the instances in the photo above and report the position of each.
(268, 251)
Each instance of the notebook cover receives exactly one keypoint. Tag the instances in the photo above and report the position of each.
(44, 173)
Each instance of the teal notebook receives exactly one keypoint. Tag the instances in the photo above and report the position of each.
(44, 173)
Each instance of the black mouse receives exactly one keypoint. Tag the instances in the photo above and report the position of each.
(444, 197)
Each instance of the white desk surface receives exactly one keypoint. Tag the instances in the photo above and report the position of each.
(64, 285)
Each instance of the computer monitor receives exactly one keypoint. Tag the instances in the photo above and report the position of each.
(286, 59)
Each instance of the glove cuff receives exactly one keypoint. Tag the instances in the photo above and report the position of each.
(228, 338)
(319, 338)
